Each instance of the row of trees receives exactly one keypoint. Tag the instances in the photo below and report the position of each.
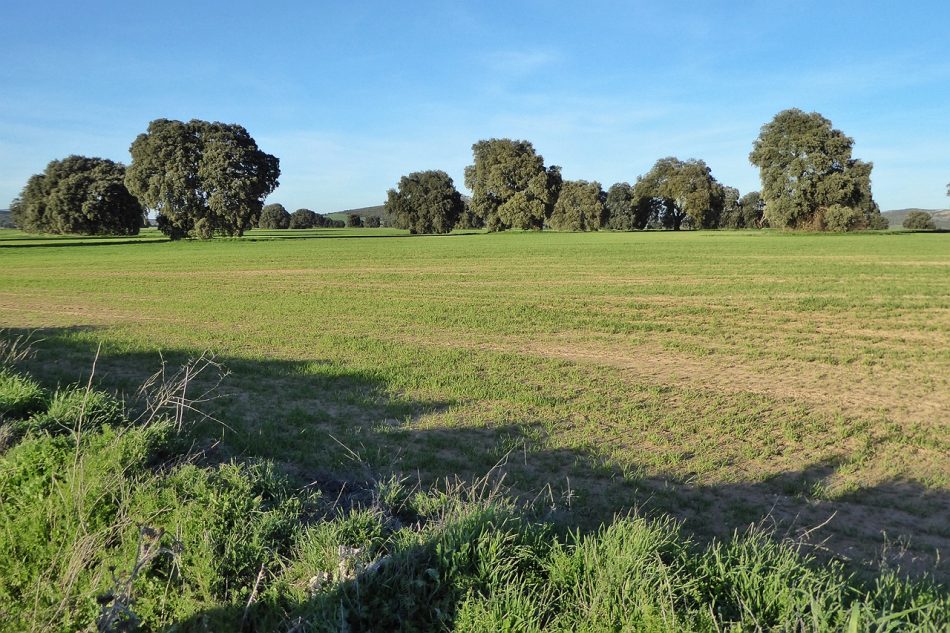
(204, 178)
(275, 216)
(200, 178)
(809, 181)
(512, 188)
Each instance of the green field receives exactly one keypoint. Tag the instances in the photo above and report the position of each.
(740, 365)
(724, 378)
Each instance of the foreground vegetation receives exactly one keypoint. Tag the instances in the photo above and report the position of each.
(795, 382)
(118, 523)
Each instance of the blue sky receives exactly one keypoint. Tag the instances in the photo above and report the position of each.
(352, 95)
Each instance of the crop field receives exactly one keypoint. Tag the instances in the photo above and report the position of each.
(795, 381)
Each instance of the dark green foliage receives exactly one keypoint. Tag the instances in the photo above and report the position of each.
(620, 205)
(305, 219)
(919, 220)
(838, 218)
(511, 188)
(81, 195)
(202, 178)
(373, 222)
(580, 206)
(676, 192)
(877, 222)
(354, 221)
(731, 217)
(425, 202)
(806, 168)
(751, 210)
(468, 219)
(274, 216)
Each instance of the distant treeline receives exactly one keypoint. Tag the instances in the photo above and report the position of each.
(809, 181)
(275, 216)
(203, 179)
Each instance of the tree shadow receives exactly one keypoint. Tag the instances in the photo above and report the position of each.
(83, 240)
(42, 241)
(289, 234)
(338, 430)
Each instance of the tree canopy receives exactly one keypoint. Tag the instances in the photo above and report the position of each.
(80, 195)
(751, 210)
(731, 216)
(304, 219)
(202, 178)
(274, 216)
(425, 202)
(675, 191)
(580, 206)
(920, 221)
(511, 188)
(806, 169)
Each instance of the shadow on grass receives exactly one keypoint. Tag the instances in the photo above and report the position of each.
(45, 241)
(335, 429)
(85, 240)
(292, 234)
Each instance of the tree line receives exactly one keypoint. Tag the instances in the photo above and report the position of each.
(809, 181)
(203, 179)
(275, 216)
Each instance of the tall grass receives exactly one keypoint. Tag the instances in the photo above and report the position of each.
(112, 521)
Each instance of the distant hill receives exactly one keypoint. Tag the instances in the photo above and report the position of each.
(365, 212)
(378, 211)
(896, 217)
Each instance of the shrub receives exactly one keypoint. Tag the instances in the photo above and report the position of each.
(274, 216)
(919, 221)
(304, 219)
(839, 218)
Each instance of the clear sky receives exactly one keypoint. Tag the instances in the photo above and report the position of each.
(352, 95)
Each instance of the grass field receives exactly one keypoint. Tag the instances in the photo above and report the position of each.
(725, 378)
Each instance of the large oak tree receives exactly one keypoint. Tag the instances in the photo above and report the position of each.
(677, 192)
(807, 172)
(511, 187)
(202, 178)
(79, 195)
(579, 207)
(425, 202)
